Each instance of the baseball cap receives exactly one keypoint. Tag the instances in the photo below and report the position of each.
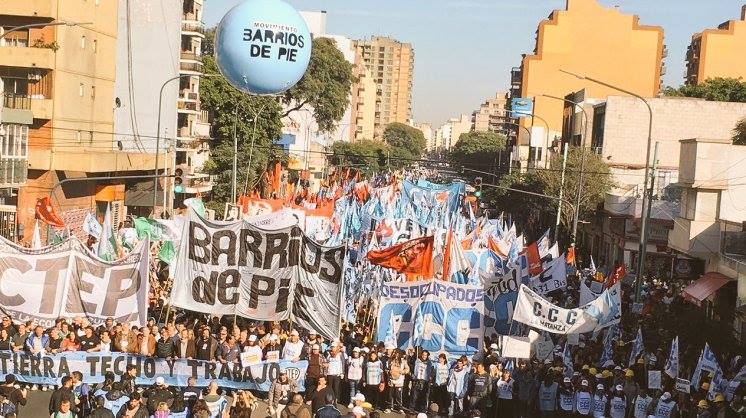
(666, 395)
(160, 381)
(584, 382)
(312, 332)
(493, 346)
(703, 404)
(600, 386)
(619, 387)
(359, 397)
(566, 380)
(294, 333)
(252, 338)
(356, 349)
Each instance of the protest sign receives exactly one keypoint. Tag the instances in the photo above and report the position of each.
(553, 277)
(516, 347)
(237, 268)
(654, 379)
(434, 315)
(543, 349)
(535, 311)
(67, 280)
(500, 296)
(683, 385)
(47, 370)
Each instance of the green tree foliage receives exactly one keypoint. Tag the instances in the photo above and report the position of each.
(325, 86)
(739, 133)
(713, 89)
(477, 149)
(366, 155)
(403, 138)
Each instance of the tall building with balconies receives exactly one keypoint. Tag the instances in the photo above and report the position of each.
(590, 39)
(718, 52)
(193, 126)
(392, 65)
(492, 115)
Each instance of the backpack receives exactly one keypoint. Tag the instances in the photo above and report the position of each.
(6, 406)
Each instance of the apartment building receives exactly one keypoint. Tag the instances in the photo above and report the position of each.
(718, 52)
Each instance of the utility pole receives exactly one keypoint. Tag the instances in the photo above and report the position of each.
(562, 187)
(645, 221)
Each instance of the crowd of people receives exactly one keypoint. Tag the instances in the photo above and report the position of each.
(372, 377)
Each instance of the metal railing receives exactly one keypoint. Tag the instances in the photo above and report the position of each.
(191, 56)
(16, 101)
(191, 66)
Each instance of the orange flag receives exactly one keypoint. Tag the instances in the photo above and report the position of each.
(571, 256)
(447, 256)
(46, 213)
(534, 261)
(492, 245)
(414, 257)
(619, 272)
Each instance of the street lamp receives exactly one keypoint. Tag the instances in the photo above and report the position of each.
(582, 162)
(42, 25)
(647, 197)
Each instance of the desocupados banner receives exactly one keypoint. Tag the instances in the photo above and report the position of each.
(66, 280)
(434, 315)
(268, 275)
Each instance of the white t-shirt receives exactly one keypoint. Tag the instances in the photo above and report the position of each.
(505, 389)
(292, 350)
(355, 368)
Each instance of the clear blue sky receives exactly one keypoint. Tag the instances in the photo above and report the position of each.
(464, 49)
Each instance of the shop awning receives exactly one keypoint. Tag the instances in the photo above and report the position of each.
(704, 287)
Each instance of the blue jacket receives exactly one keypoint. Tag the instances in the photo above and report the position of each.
(32, 338)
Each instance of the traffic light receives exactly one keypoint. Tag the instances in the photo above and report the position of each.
(178, 180)
(478, 187)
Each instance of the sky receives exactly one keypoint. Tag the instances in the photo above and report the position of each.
(464, 49)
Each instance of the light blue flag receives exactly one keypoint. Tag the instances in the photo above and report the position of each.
(707, 363)
(716, 385)
(567, 360)
(672, 364)
(637, 348)
(608, 352)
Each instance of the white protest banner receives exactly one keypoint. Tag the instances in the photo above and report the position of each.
(552, 278)
(535, 311)
(587, 294)
(683, 385)
(67, 280)
(238, 268)
(654, 379)
(515, 347)
(434, 315)
(47, 369)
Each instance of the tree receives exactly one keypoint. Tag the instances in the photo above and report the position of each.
(739, 133)
(365, 155)
(713, 89)
(477, 149)
(325, 86)
(401, 136)
(597, 181)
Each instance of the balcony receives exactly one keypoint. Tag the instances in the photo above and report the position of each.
(188, 95)
(40, 108)
(28, 57)
(191, 67)
(36, 8)
(516, 76)
(697, 238)
(193, 28)
(191, 56)
(187, 107)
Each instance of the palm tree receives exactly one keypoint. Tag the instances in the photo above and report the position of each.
(739, 133)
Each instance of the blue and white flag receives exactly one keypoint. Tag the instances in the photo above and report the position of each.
(707, 362)
(567, 360)
(91, 226)
(672, 364)
(637, 348)
(608, 352)
(716, 385)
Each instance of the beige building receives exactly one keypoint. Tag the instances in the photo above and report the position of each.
(491, 114)
(718, 52)
(428, 133)
(450, 132)
(591, 39)
(709, 226)
(391, 63)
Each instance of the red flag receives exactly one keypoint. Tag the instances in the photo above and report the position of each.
(492, 245)
(414, 257)
(534, 261)
(619, 272)
(447, 256)
(571, 256)
(46, 213)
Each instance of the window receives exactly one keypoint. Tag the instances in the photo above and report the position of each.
(80, 90)
(17, 38)
(82, 42)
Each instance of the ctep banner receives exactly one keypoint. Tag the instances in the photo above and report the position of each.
(226, 268)
(435, 315)
(67, 280)
(48, 369)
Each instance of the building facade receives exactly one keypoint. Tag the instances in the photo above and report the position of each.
(618, 133)
(492, 115)
(391, 64)
(427, 132)
(718, 52)
(593, 40)
(449, 133)
(710, 225)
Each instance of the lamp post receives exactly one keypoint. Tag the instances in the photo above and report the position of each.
(43, 25)
(647, 198)
(582, 163)
(158, 132)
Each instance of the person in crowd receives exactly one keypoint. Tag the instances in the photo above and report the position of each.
(318, 397)
(566, 401)
(335, 362)
(314, 371)
(164, 347)
(184, 347)
(422, 376)
(297, 408)
(128, 378)
(89, 341)
(133, 408)
(19, 339)
(526, 383)
(294, 349)
(206, 345)
(6, 342)
(397, 369)
(329, 410)
(116, 398)
(439, 390)
(374, 380)
(618, 403)
(38, 342)
(82, 393)
(12, 395)
(63, 394)
(584, 400)
(505, 387)
(145, 342)
(281, 393)
(480, 389)
(99, 409)
(458, 387)
(664, 407)
(599, 402)
(70, 343)
(64, 410)
(642, 403)
(354, 373)
(157, 394)
(547, 397)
